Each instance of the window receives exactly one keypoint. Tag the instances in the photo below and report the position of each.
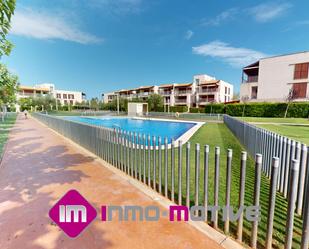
(254, 91)
(301, 71)
(72, 96)
(225, 90)
(299, 90)
(197, 81)
(64, 96)
(58, 96)
(229, 91)
(71, 102)
(65, 102)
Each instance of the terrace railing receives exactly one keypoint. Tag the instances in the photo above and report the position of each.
(189, 181)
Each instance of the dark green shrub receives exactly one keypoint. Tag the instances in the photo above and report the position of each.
(296, 110)
(215, 108)
(178, 109)
(197, 110)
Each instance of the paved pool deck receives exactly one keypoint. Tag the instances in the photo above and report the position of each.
(40, 166)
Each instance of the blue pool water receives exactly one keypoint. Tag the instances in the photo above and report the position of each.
(156, 128)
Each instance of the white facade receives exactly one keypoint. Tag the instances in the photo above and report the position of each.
(272, 79)
(63, 96)
(203, 90)
(108, 97)
(69, 97)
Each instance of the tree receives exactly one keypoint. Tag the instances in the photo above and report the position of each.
(94, 104)
(8, 86)
(155, 102)
(289, 99)
(7, 8)
(47, 103)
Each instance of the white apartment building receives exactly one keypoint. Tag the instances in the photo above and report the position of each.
(211, 90)
(273, 79)
(203, 90)
(63, 96)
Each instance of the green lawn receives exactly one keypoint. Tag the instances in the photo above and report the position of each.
(219, 135)
(298, 133)
(5, 129)
(276, 120)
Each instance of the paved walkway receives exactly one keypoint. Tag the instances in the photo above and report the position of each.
(39, 166)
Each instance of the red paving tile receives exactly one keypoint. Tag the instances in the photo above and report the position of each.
(39, 167)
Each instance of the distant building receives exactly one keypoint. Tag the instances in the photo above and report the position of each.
(203, 90)
(63, 96)
(272, 79)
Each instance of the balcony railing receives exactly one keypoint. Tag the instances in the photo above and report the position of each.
(251, 79)
(165, 92)
(183, 92)
(208, 90)
(180, 100)
(206, 100)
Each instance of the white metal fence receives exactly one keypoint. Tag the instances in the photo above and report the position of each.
(161, 170)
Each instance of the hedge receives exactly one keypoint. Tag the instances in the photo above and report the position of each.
(296, 110)
(178, 109)
(196, 110)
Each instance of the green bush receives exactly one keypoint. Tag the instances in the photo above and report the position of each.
(277, 110)
(215, 108)
(197, 110)
(178, 109)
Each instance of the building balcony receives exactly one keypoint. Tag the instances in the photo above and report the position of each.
(143, 94)
(251, 79)
(165, 92)
(208, 90)
(181, 101)
(183, 92)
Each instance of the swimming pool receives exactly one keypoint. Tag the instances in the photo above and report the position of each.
(170, 129)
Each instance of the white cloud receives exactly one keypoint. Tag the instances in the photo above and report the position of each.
(237, 57)
(222, 17)
(41, 25)
(189, 34)
(268, 11)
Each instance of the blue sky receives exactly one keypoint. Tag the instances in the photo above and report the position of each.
(103, 45)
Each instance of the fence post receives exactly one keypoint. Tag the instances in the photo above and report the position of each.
(139, 156)
(179, 172)
(197, 174)
(132, 154)
(279, 152)
(188, 174)
(166, 167)
(135, 155)
(228, 189)
(305, 230)
(241, 194)
(154, 145)
(272, 202)
(301, 183)
(287, 165)
(149, 161)
(283, 163)
(173, 170)
(160, 164)
(291, 204)
(256, 196)
(216, 186)
(206, 166)
(144, 158)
